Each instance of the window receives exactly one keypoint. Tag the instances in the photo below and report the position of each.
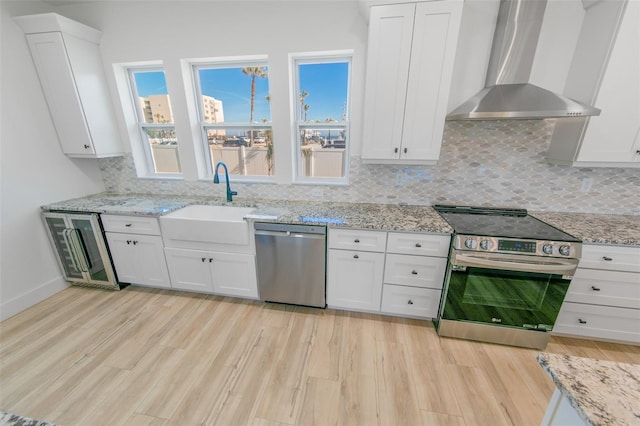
(321, 99)
(155, 119)
(235, 116)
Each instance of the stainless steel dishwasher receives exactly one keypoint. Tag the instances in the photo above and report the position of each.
(291, 262)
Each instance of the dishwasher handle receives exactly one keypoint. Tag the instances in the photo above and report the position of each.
(290, 234)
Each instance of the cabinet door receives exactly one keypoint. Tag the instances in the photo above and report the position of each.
(415, 271)
(150, 261)
(189, 269)
(614, 135)
(56, 77)
(354, 280)
(603, 322)
(234, 274)
(123, 257)
(412, 301)
(388, 55)
(435, 38)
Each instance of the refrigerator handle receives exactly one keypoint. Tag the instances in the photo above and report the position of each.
(71, 248)
(79, 249)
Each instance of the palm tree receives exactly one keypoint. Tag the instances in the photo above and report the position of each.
(329, 120)
(306, 109)
(254, 72)
(303, 95)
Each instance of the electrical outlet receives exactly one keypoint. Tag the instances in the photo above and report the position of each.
(586, 185)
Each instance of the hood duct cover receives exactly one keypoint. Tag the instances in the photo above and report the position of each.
(507, 92)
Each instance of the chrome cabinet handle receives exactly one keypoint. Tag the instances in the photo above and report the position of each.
(607, 258)
(410, 302)
(581, 321)
(594, 288)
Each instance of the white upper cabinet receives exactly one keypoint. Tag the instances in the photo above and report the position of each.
(411, 50)
(68, 63)
(614, 136)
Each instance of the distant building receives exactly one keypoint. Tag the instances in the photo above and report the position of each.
(157, 109)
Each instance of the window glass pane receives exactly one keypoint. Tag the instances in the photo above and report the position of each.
(164, 149)
(322, 98)
(323, 92)
(153, 97)
(323, 152)
(155, 117)
(237, 94)
(245, 151)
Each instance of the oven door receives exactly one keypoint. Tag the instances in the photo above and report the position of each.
(508, 290)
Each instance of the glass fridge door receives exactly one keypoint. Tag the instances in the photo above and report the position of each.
(59, 235)
(91, 250)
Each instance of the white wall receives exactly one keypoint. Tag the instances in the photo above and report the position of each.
(177, 30)
(33, 171)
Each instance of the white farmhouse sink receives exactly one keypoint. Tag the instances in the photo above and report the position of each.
(209, 224)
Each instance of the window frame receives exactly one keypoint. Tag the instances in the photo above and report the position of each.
(204, 127)
(296, 59)
(142, 126)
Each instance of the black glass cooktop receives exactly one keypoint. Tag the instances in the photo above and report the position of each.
(496, 222)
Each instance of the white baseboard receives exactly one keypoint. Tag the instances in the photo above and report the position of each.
(30, 298)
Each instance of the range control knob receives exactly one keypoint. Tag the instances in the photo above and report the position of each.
(565, 250)
(485, 244)
(547, 249)
(471, 243)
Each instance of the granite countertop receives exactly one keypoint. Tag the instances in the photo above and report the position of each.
(601, 392)
(595, 228)
(387, 217)
(590, 228)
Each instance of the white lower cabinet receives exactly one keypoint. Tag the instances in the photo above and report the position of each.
(230, 274)
(354, 279)
(603, 301)
(394, 273)
(413, 301)
(137, 250)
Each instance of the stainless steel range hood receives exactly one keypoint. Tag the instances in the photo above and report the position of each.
(508, 93)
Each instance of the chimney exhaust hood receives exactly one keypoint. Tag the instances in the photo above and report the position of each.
(508, 93)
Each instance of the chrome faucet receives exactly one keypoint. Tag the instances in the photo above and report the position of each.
(216, 179)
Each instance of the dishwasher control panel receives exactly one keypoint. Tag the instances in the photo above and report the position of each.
(290, 228)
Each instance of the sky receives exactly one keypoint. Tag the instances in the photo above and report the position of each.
(326, 85)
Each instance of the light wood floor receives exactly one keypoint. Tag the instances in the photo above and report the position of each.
(144, 356)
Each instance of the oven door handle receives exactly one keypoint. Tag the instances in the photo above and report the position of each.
(560, 267)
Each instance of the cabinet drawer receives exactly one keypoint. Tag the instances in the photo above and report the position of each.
(353, 239)
(415, 271)
(611, 288)
(612, 258)
(131, 224)
(410, 301)
(602, 322)
(418, 244)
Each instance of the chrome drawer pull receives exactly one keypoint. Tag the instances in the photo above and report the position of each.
(581, 321)
(414, 272)
(594, 288)
(418, 245)
(355, 256)
(410, 302)
(356, 240)
(607, 258)
(128, 225)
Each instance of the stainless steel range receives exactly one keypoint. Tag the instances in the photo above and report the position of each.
(507, 276)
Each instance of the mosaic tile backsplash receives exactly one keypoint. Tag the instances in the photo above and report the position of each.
(499, 163)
